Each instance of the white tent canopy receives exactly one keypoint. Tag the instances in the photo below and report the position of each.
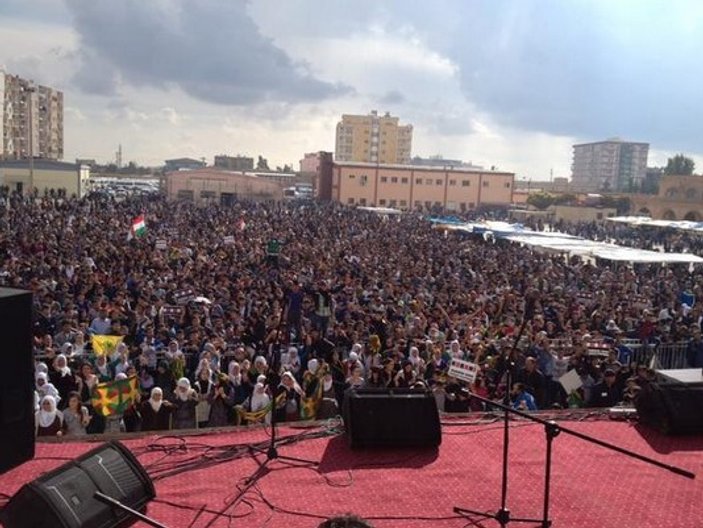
(685, 225)
(573, 245)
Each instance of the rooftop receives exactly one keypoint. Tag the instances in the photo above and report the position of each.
(419, 167)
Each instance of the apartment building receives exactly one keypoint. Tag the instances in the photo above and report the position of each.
(373, 139)
(411, 187)
(31, 119)
(611, 165)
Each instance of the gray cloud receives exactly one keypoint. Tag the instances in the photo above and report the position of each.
(211, 49)
(392, 97)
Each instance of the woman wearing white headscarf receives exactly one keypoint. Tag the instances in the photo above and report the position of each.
(287, 397)
(45, 388)
(258, 400)
(48, 420)
(63, 379)
(156, 412)
(185, 400)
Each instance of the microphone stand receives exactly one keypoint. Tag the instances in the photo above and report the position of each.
(271, 454)
(552, 430)
(503, 514)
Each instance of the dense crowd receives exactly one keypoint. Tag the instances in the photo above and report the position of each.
(289, 305)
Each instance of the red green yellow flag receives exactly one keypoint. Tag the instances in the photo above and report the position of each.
(115, 397)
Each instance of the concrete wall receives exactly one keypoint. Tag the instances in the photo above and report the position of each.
(75, 182)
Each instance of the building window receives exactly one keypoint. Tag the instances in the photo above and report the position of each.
(507, 185)
(350, 201)
(382, 201)
(465, 183)
(384, 179)
(438, 182)
(418, 181)
(362, 201)
(438, 204)
(428, 204)
(403, 203)
(352, 176)
(394, 179)
(485, 183)
(471, 205)
(404, 181)
(428, 181)
(393, 203)
(418, 203)
(452, 182)
(363, 180)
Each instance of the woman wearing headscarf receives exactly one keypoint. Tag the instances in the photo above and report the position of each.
(48, 420)
(45, 388)
(102, 369)
(220, 403)
(203, 386)
(287, 397)
(63, 379)
(258, 401)
(328, 407)
(312, 387)
(185, 400)
(156, 412)
(239, 385)
(90, 380)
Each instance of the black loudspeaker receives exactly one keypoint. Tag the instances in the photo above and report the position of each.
(64, 497)
(673, 409)
(17, 384)
(391, 418)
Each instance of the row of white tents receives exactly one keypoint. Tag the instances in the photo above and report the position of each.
(564, 243)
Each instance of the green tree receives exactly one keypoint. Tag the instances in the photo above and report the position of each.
(680, 165)
(262, 164)
(540, 200)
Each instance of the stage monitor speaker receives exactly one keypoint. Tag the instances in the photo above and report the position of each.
(673, 409)
(391, 418)
(65, 497)
(17, 382)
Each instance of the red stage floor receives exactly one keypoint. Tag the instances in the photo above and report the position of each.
(592, 487)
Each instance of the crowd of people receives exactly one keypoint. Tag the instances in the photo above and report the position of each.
(220, 329)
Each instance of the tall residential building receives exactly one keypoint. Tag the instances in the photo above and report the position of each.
(373, 139)
(611, 165)
(22, 100)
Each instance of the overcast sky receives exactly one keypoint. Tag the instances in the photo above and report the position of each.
(510, 83)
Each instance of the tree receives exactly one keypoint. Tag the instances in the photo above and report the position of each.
(680, 165)
(262, 164)
(540, 200)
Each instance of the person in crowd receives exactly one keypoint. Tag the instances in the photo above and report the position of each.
(221, 400)
(44, 388)
(156, 412)
(287, 397)
(608, 392)
(76, 416)
(184, 403)
(48, 419)
(256, 403)
(521, 398)
(63, 378)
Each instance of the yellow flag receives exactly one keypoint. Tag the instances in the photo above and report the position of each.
(104, 345)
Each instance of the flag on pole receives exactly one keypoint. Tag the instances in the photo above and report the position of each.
(105, 345)
(138, 228)
(115, 397)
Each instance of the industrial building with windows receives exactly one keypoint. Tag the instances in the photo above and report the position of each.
(410, 187)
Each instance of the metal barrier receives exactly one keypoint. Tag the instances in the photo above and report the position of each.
(663, 356)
